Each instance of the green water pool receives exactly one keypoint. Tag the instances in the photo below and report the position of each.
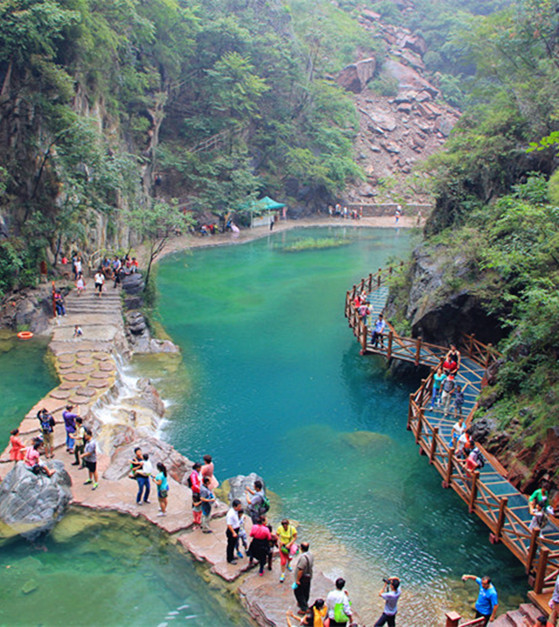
(276, 385)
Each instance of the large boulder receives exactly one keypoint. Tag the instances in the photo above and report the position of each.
(133, 283)
(408, 78)
(32, 504)
(177, 465)
(239, 484)
(354, 77)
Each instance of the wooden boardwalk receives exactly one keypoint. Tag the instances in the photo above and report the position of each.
(487, 492)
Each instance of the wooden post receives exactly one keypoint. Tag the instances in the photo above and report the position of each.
(473, 491)
(347, 307)
(495, 537)
(417, 350)
(542, 567)
(434, 445)
(448, 476)
(378, 277)
(363, 337)
(488, 357)
(472, 344)
(452, 619)
(362, 285)
(390, 270)
(389, 350)
(532, 549)
(419, 426)
(410, 413)
(370, 287)
(422, 388)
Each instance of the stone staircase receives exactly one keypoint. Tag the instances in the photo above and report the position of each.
(524, 616)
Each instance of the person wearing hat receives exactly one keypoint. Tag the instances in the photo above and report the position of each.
(390, 592)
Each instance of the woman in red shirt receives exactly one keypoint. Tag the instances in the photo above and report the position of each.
(17, 451)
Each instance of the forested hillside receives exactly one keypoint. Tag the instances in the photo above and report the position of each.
(106, 105)
(490, 264)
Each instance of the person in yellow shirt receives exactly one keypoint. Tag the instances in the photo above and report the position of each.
(287, 535)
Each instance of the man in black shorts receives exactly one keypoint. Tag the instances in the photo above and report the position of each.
(89, 457)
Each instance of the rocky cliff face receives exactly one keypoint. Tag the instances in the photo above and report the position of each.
(397, 131)
(438, 309)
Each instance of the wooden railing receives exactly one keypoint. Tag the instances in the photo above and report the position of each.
(540, 556)
(453, 620)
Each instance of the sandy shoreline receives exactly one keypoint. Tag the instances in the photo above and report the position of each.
(185, 242)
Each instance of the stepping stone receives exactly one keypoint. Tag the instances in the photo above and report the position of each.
(80, 400)
(66, 386)
(60, 394)
(99, 375)
(84, 369)
(66, 358)
(74, 376)
(65, 366)
(106, 367)
(99, 384)
(83, 391)
(102, 356)
(85, 361)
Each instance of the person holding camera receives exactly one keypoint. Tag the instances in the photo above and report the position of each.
(390, 592)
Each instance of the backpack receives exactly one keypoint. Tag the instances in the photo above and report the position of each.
(480, 459)
(45, 423)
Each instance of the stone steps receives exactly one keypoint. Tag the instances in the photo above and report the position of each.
(525, 615)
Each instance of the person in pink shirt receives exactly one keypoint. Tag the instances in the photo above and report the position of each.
(207, 470)
(195, 483)
(260, 545)
(32, 461)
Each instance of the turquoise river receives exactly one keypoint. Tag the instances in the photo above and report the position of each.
(271, 382)
(276, 385)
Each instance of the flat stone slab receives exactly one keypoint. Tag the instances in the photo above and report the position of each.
(106, 366)
(85, 361)
(85, 391)
(101, 333)
(99, 384)
(102, 356)
(74, 376)
(77, 399)
(60, 394)
(66, 359)
(100, 375)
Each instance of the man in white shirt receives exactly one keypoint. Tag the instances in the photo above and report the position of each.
(232, 532)
(338, 605)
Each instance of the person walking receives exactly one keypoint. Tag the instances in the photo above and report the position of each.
(99, 280)
(208, 499)
(339, 606)
(194, 482)
(162, 484)
(447, 393)
(303, 578)
(233, 523)
(287, 536)
(378, 331)
(69, 418)
(487, 600)
(90, 459)
(438, 380)
(79, 442)
(390, 593)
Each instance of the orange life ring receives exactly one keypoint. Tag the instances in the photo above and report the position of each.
(25, 335)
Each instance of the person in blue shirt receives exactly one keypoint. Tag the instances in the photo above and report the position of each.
(487, 601)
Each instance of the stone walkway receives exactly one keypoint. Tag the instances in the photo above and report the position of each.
(88, 373)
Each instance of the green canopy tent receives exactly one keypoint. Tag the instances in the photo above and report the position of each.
(261, 210)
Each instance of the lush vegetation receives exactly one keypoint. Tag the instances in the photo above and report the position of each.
(314, 243)
(497, 210)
